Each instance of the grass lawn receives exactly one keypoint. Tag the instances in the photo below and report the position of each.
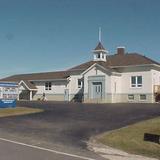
(5, 112)
(130, 138)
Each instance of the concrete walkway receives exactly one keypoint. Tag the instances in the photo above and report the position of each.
(113, 154)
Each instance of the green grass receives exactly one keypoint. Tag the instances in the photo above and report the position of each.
(5, 112)
(130, 138)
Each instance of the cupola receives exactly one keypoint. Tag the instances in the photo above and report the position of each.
(100, 53)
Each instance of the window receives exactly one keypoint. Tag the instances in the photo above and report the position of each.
(133, 81)
(98, 55)
(79, 83)
(98, 89)
(130, 97)
(139, 81)
(136, 81)
(48, 86)
(143, 97)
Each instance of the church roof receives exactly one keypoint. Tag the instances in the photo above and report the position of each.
(99, 47)
(37, 76)
(119, 60)
(30, 85)
(113, 62)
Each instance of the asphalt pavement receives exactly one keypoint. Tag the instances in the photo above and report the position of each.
(66, 127)
(10, 150)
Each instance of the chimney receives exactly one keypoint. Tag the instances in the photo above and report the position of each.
(120, 50)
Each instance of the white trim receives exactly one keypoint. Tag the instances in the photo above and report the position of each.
(48, 86)
(46, 149)
(140, 65)
(100, 50)
(27, 86)
(121, 47)
(47, 80)
(136, 84)
(96, 64)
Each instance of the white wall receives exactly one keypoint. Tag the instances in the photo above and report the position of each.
(57, 87)
(40, 86)
(21, 88)
(93, 72)
(155, 77)
(110, 81)
(73, 84)
(116, 84)
(146, 82)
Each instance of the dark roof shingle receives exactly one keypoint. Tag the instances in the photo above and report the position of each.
(119, 60)
(129, 60)
(29, 84)
(113, 61)
(99, 47)
(38, 76)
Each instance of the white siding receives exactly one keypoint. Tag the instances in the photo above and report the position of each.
(40, 86)
(73, 84)
(116, 86)
(57, 87)
(93, 72)
(146, 82)
(155, 77)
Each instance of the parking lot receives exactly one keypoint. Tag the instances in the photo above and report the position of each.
(66, 127)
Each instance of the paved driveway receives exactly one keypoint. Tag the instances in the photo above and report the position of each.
(67, 126)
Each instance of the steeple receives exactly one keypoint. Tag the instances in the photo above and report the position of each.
(100, 52)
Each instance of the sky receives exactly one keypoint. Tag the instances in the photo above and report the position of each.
(52, 35)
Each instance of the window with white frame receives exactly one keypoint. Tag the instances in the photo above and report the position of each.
(143, 97)
(136, 81)
(48, 86)
(79, 83)
(131, 97)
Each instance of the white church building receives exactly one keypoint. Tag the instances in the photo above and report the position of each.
(117, 78)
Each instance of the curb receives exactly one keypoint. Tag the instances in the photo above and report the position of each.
(112, 153)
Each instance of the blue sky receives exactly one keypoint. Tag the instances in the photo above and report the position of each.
(50, 35)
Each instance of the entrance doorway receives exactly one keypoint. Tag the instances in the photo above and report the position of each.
(97, 90)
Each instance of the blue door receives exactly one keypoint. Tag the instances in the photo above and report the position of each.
(97, 90)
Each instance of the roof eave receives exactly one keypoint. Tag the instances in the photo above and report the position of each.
(39, 80)
(105, 69)
(139, 65)
(30, 89)
(100, 50)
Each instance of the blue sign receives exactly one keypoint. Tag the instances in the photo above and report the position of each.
(8, 94)
(4, 103)
(8, 84)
